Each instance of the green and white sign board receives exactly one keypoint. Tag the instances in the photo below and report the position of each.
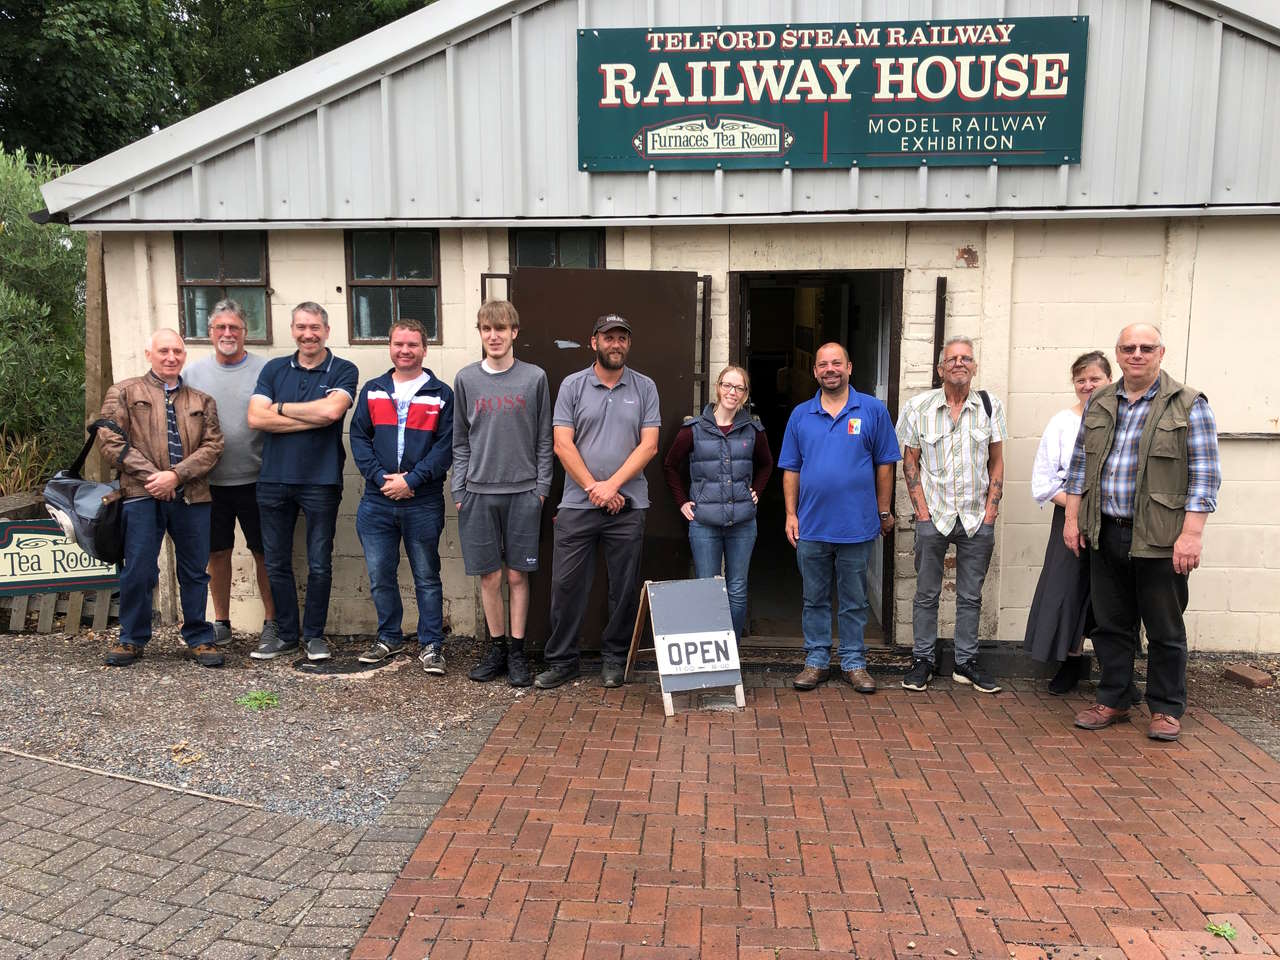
(832, 95)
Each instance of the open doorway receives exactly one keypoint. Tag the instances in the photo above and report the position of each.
(782, 318)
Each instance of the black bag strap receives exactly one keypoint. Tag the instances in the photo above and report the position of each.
(92, 430)
(986, 402)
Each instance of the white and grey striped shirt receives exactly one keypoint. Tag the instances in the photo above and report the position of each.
(953, 455)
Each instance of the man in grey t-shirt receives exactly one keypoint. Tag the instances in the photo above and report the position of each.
(606, 430)
(501, 476)
(229, 377)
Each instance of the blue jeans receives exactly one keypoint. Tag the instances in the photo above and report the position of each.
(819, 562)
(278, 506)
(381, 525)
(733, 546)
(145, 524)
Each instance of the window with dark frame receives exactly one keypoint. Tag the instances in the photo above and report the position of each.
(215, 265)
(580, 248)
(392, 275)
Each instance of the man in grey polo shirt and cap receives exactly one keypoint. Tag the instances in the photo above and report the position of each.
(605, 425)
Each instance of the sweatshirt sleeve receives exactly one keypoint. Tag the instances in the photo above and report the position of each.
(362, 441)
(545, 445)
(762, 457)
(461, 439)
(675, 465)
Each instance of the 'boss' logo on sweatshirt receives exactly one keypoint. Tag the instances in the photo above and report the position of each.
(507, 403)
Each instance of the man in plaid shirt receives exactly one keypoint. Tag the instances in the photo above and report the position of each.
(1144, 477)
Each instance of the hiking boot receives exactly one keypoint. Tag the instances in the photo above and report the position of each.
(121, 654)
(859, 679)
(221, 633)
(612, 674)
(207, 655)
(317, 649)
(432, 661)
(556, 674)
(810, 677)
(273, 646)
(968, 673)
(381, 650)
(919, 675)
(518, 673)
(1068, 676)
(1099, 716)
(492, 665)
(1164, 727)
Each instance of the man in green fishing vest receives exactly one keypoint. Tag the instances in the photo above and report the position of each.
(1144, 477)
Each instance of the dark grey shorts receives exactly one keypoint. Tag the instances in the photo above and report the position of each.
(497, 529)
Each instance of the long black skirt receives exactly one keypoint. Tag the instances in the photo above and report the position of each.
(1060, 611)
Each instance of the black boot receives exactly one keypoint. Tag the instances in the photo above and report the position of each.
(494, 663)
(1068, 676)
(518, 673)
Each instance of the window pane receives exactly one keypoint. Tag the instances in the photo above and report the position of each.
(196, 304)
(371, 255)
(254, 302)
(578, 249)
(418, 303)
(242, 255)
(372, 319)
(200, 256)
(535, 248)
(414, 258)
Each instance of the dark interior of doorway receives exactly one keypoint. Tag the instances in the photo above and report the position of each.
(784, 318)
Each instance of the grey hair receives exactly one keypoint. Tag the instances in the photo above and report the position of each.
(958, 338)
(229, 306)
(1159, 332)
(313, 308)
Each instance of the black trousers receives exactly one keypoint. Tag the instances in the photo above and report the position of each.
(573, 565)
(1128, 591)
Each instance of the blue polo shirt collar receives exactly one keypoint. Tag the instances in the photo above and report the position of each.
(328, 363)
(815, 405)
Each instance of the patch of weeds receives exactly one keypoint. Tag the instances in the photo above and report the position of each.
(1224, 930)
(259, 700)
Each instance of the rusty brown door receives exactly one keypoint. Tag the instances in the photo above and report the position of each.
(557, 308)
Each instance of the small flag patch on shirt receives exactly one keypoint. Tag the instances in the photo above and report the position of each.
(855, 426)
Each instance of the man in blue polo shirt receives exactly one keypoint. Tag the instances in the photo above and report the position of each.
(837, 460)
(299, 403)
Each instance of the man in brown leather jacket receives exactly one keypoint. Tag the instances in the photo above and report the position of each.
(174, 441)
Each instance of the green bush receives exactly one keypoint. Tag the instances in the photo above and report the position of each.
(41, 321)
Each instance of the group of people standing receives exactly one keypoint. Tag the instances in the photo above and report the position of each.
(240, 439)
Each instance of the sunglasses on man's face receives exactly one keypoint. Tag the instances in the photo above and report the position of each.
(1146, 349)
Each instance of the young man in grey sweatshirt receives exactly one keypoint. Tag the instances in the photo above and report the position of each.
(502, 453)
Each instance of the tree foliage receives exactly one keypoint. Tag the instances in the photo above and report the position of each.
(42, 288)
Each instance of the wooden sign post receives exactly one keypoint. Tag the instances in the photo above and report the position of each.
(693, 639)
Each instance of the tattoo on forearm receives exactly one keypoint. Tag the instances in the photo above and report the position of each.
(911, 473)
(997, 491)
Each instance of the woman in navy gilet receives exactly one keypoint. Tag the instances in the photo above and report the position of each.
(716, 467)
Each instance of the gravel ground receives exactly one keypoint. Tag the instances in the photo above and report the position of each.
(1206, 686)
(337, 747)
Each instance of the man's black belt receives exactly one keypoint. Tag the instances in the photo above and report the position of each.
(1119, 521)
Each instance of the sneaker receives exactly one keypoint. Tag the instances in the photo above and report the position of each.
(518, 672)
(556, 674)
(612, 674)
(121, 654)
(492, 665)
(207, 655)
(317, 649)
(273, 646)
(270, 632)
(381, 650)
(968, 673)
(919, 675)
(221, 633)
(432, 661)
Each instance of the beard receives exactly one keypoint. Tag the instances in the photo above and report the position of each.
(608, 362)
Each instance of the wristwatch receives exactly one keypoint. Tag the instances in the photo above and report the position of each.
(885, 514)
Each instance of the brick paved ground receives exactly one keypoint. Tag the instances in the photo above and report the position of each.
(936, 825)
(94, 867)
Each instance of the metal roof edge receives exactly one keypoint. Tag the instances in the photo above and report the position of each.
(1255, 17)
(238, 118)
(879, 216)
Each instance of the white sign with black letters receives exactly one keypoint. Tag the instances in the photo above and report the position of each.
(696, 652)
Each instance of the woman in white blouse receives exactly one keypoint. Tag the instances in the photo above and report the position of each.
(1061, 616)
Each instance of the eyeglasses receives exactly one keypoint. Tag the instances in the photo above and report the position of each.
(954, 361)
(732, 387)
(1129, 349)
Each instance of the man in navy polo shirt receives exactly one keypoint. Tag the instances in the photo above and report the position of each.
(837, 460)
(300, 402)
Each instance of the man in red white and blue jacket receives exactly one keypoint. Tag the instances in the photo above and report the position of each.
(402, 443)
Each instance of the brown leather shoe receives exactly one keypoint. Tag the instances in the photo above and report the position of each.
(1099, 716)
(810, 677)
(121, 654)
(207, 655)
(1164, 727)
(860, 680)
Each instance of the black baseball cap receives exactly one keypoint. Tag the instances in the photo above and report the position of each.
(610, 321)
